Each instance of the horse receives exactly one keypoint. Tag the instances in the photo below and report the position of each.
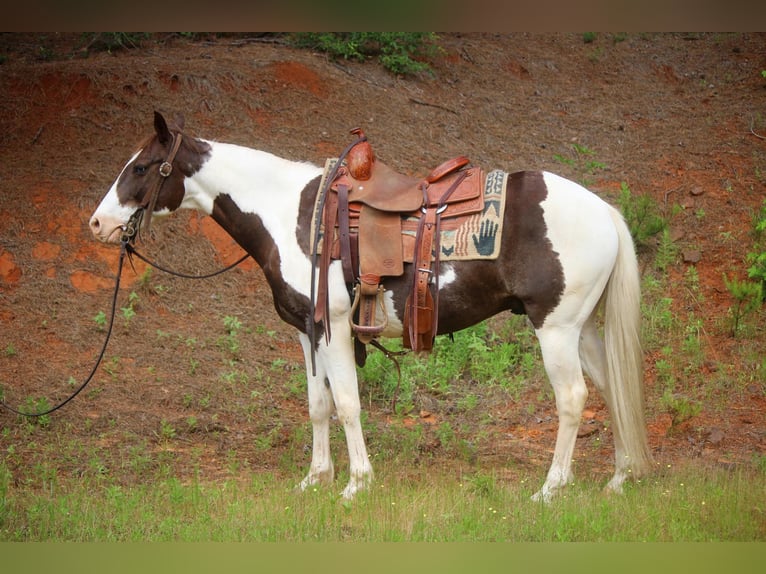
(566, 259)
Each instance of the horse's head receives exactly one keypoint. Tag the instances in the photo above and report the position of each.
(151, 183)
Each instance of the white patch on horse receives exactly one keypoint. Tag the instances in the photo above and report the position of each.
(256, 182)
(573, 229)
(447, 275)
(395, 327)
(110, 216)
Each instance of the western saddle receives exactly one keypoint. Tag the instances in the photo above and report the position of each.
(374, 220)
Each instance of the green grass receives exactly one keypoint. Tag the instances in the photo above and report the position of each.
(686, 504)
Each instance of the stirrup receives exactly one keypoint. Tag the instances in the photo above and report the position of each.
(366, 333)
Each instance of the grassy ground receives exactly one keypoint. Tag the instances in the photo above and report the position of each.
(689, 504)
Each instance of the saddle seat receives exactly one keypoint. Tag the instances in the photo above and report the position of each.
(376, 219)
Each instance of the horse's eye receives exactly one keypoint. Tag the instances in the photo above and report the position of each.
(139, 169)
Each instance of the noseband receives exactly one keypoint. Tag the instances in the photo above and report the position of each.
(142, 217)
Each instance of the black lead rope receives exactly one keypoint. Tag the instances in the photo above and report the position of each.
(126, 248)
(123, 251)
(132, 251)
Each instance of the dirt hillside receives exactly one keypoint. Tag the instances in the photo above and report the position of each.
(680, 118)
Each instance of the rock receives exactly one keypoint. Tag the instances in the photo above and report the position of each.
(692, 255)
(716, 436)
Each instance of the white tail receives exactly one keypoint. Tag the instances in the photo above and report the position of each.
(624, 357)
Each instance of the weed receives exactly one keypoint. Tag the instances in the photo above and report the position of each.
(680, 408)
(747, 296)
(32, 405)
(757, 257)
(230, 341)
(129, 311)
(692, 283)
(692, 343)
(667, 251)
(583, 161)
(641, 214)
(167, 430)
(446, 435)
(100, 320)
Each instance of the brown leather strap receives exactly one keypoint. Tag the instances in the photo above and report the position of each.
(166, 168)
(426, 261)
(344, 234)
(322, 297)
(447, 167)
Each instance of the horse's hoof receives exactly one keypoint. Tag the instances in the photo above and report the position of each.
(540, 496)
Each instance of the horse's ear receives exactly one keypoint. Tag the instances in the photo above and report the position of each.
(161, 127)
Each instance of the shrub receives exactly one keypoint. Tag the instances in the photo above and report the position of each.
(398, 52)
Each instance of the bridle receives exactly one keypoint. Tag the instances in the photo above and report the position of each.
(141, 220)
(142, 217)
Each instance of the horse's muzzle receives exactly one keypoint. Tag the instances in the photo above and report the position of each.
(110, 230)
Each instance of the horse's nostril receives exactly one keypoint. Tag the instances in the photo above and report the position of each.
(95, 224)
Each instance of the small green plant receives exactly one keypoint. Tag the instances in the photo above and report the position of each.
(32, 405)
(167, 430)
(641, 214)
(398, 52)
(589, 37)
(230, 341)
(129, 311)
(680, 408)
(667, 251)
(100, 320)
(747, 296)
(583, 161)
(757, 257)
(10, 350)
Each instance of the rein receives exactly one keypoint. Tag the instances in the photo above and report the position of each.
(123, 252)
(132, 251)
(126, 248)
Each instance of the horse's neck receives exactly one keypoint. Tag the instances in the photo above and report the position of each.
(255, 196)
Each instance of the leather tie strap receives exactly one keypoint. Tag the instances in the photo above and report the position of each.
(344, 234)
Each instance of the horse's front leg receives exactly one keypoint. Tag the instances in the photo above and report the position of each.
(336, 383)
(338, 358)
(320, 409)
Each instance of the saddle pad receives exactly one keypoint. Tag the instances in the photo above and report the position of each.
(478, 237)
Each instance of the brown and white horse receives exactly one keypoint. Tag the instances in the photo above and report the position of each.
(564, 254)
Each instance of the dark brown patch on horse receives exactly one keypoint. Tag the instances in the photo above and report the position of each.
(305, 213)
(527, 277)
(142, 174)
(533, 267)
(248, 231)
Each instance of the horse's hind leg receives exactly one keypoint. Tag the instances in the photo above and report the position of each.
(320, 409)
(559, 347)
(593, 358)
